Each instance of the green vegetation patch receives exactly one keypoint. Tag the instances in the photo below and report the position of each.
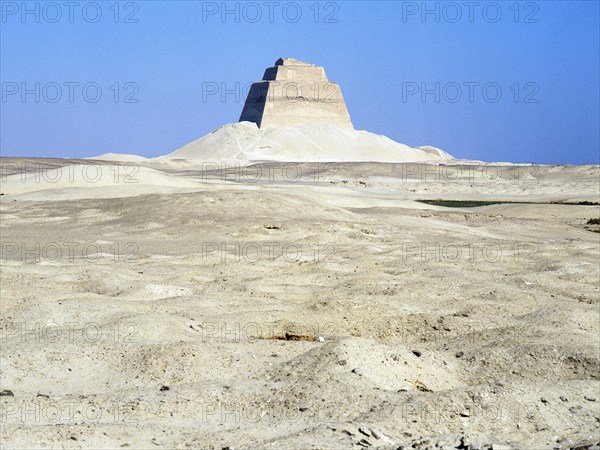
(477, 203)
(462, 203)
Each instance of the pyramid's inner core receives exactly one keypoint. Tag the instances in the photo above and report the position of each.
(292, 93)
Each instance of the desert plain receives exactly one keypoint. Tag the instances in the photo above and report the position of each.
(151, 304)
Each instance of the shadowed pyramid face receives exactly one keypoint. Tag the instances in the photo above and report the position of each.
(295, 93)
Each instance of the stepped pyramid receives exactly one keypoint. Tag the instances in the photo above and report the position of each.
(295, 93)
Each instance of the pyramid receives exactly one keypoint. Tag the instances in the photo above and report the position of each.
(295, 93)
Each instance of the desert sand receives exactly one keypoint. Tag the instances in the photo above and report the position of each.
(244, 142)
(189, 302)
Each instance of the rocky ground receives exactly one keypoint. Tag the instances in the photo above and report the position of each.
(211, 310)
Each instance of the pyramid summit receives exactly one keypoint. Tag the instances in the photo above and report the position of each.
(294, 93)
(292, 62)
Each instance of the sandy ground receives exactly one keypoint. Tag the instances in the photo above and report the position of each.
(304, 306)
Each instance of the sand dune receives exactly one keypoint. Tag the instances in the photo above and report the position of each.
(57, 180)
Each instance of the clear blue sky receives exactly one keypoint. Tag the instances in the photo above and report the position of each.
(544, 56)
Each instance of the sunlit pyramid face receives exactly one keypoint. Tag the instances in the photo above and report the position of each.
(295, 93)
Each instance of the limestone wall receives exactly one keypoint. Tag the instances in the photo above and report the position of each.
(295, 93)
